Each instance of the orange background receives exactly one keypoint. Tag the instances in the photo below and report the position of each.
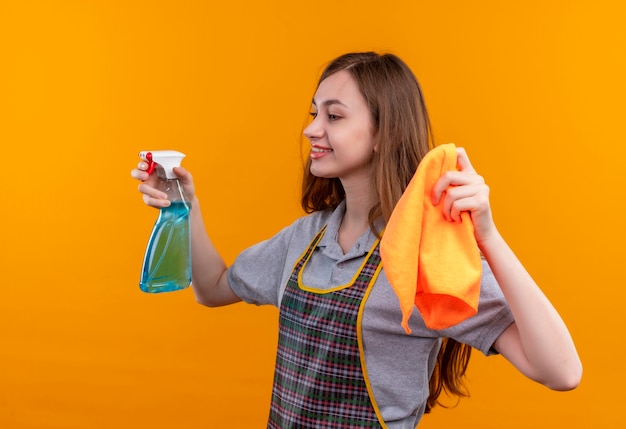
(534, 90)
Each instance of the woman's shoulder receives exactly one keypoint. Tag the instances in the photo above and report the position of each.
(311, 222)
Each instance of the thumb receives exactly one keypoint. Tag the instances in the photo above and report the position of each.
(463, 162)
(183, 175)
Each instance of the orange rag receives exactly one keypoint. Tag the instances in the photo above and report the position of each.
(429, 261)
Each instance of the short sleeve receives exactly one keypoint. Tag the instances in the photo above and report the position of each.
(260, 273)
(257, 273)
(493, 317)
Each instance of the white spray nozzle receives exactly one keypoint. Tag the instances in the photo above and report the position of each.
(168, 159)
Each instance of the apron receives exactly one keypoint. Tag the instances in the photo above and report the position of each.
(320, 380)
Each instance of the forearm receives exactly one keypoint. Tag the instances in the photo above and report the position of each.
(540, 344)
(209, 273)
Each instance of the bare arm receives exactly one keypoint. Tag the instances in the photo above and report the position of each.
(538, 342)
(209, 273)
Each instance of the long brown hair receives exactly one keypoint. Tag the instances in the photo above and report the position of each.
(403, 136)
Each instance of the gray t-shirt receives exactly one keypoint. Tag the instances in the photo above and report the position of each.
(398, 365)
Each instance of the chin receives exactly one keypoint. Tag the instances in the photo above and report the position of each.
(322, 174)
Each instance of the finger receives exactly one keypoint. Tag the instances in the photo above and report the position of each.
(471, 202)
(472, 199)
(150, 192)
(450, 206)
(462, 161)
(460, 206)
(476, 206)
(182, 174)
(453, 179)
(185, 178)
(155, 202)
(139, 174)
(440, 187)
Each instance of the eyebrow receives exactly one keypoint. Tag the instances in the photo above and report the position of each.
(329, 102)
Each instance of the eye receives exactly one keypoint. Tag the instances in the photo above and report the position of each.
(313, 114)
(332, 117)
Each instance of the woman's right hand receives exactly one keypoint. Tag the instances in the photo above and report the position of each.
(148, 186)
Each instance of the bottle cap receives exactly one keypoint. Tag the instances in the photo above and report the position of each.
(168, 159)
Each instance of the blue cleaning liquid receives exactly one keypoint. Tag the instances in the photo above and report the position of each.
(167, 262)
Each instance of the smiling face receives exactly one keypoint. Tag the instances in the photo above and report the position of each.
(341, 133)
(384, 122)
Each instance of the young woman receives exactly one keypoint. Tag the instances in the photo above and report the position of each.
(343, 359)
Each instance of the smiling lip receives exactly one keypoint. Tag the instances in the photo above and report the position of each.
(319, 151)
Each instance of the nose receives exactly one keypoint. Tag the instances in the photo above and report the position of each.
(314, 130)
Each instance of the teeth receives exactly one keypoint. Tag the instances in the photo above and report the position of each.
(319, 149)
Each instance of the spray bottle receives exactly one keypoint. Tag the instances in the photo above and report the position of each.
(167, 262)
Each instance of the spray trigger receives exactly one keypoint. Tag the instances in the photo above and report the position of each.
(151, 164)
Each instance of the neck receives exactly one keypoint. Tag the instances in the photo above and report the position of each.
(359, 202)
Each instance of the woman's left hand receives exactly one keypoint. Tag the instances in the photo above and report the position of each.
(537, 322)
(465, 191)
